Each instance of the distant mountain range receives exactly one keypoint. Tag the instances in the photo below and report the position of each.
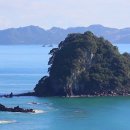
(35, 35)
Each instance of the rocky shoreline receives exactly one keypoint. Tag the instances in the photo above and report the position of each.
(98, 95)
(72, 96)
(15, 109)
(17, 95)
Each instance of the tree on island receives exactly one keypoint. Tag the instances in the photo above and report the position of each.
(84, 64)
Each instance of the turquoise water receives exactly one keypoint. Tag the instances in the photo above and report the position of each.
(20, 69)
(108, 113)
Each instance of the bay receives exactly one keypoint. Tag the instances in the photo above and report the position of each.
(20, 69)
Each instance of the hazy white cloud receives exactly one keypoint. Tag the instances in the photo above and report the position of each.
(64, 13)
(4, 23)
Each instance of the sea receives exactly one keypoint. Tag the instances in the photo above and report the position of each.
(21, 67)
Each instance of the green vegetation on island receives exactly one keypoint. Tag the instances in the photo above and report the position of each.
(84, 64)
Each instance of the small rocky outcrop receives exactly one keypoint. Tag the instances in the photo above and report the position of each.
(84, 64)
(7, 95)
(15, 109)
(11, 95)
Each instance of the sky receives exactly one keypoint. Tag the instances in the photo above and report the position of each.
(64, 13)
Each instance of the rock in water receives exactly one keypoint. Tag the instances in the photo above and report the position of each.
(15, 109)
(84, 64)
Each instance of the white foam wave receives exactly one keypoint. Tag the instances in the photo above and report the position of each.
(7, 121)
(38, 111)
(33, 103)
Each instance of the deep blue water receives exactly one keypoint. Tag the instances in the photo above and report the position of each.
(20, 69)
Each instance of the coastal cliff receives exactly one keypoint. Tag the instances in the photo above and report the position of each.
(84, 64)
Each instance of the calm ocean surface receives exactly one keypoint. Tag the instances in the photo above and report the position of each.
(20, 69)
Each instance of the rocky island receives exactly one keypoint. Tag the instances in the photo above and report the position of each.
(83, 65)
